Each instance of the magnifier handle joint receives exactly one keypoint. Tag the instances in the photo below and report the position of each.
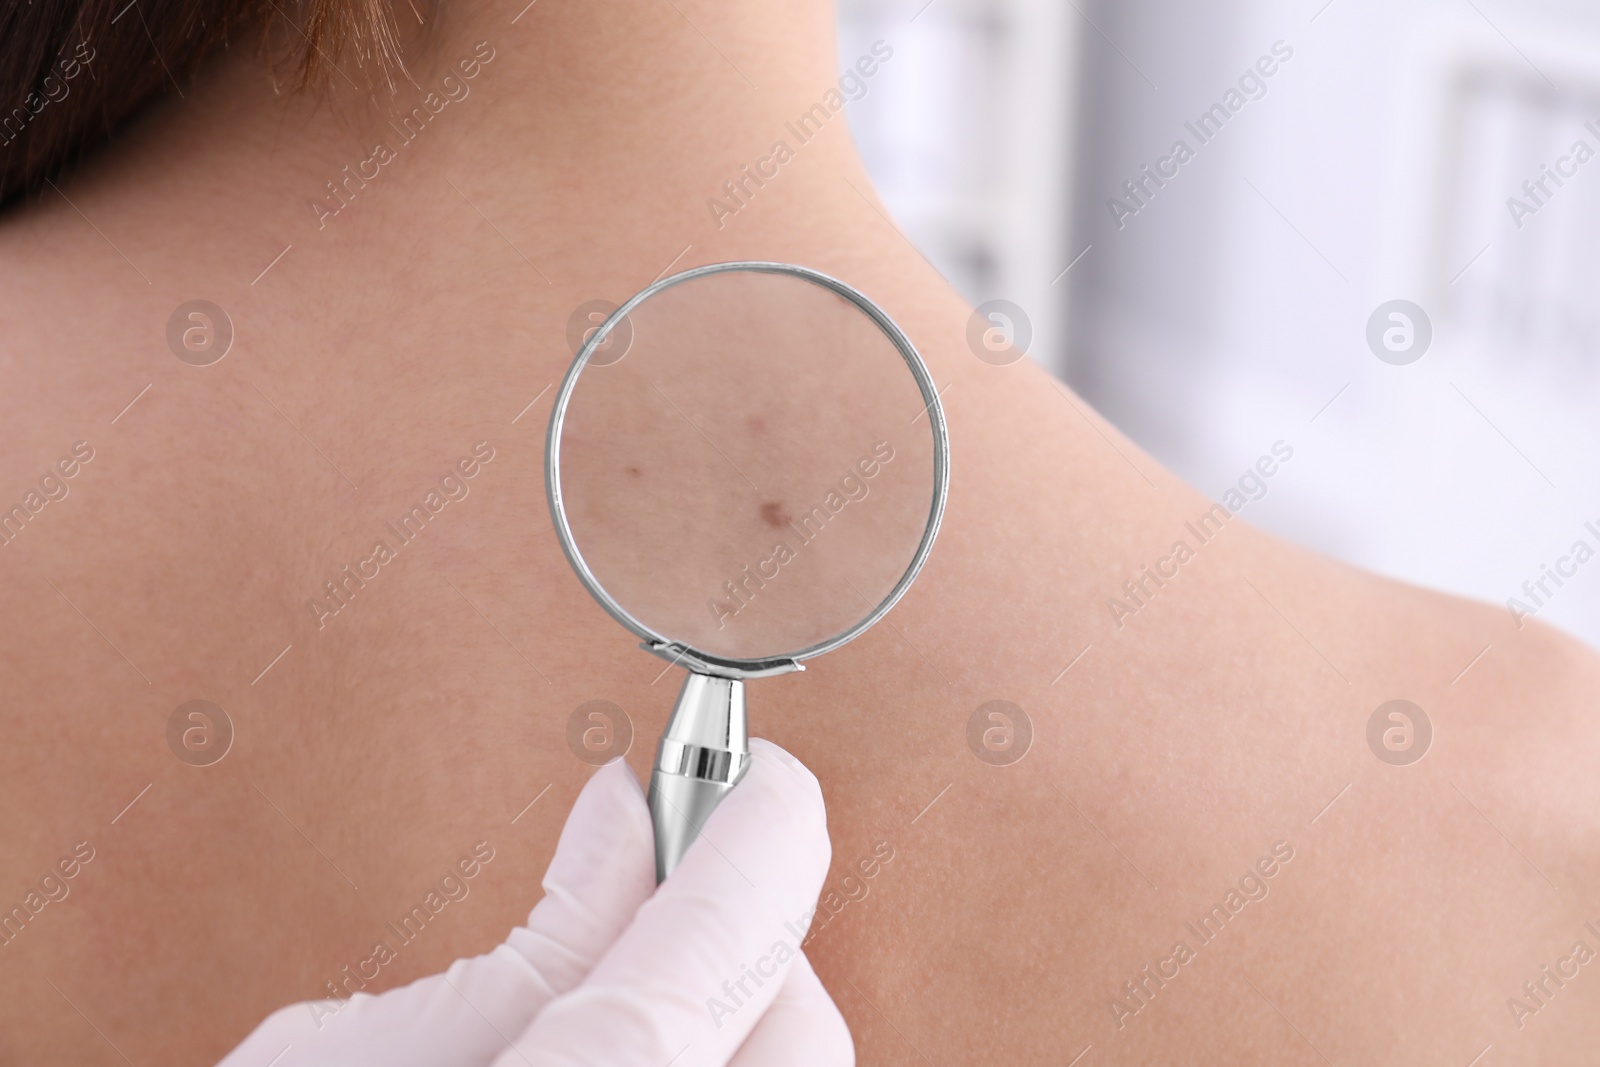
(703, 754)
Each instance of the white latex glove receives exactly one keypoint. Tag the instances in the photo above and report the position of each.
(611, 970)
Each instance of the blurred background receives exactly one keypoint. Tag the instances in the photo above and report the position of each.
(1212, 300)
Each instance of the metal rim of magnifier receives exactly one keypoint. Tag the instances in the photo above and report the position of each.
(678, 651)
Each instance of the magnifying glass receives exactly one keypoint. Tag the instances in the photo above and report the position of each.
(747, 465)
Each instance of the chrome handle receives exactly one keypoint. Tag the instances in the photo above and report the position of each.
(703, 754)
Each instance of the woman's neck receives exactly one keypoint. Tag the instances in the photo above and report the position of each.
(592, 143)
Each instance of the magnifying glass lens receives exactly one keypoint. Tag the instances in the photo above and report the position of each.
(747, 466)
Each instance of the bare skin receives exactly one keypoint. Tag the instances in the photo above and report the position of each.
(1219, 720)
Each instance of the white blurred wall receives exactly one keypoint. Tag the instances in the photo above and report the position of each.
(1230, 311)
(967, 135)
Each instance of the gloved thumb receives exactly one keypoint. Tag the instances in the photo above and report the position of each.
(602, 871)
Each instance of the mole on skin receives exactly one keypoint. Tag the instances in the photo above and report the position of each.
(775, 514)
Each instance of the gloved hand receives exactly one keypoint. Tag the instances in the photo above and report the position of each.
(611, 970)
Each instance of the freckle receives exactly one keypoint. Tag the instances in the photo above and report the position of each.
(757, 424)
(775, 514)
(635, 472)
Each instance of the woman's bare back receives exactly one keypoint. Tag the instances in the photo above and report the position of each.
(1202, 853)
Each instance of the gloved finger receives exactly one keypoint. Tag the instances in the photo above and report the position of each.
(603, 869)
(803, 1028)
(706, 956)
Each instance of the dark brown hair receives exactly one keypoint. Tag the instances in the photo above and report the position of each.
(72, 71)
